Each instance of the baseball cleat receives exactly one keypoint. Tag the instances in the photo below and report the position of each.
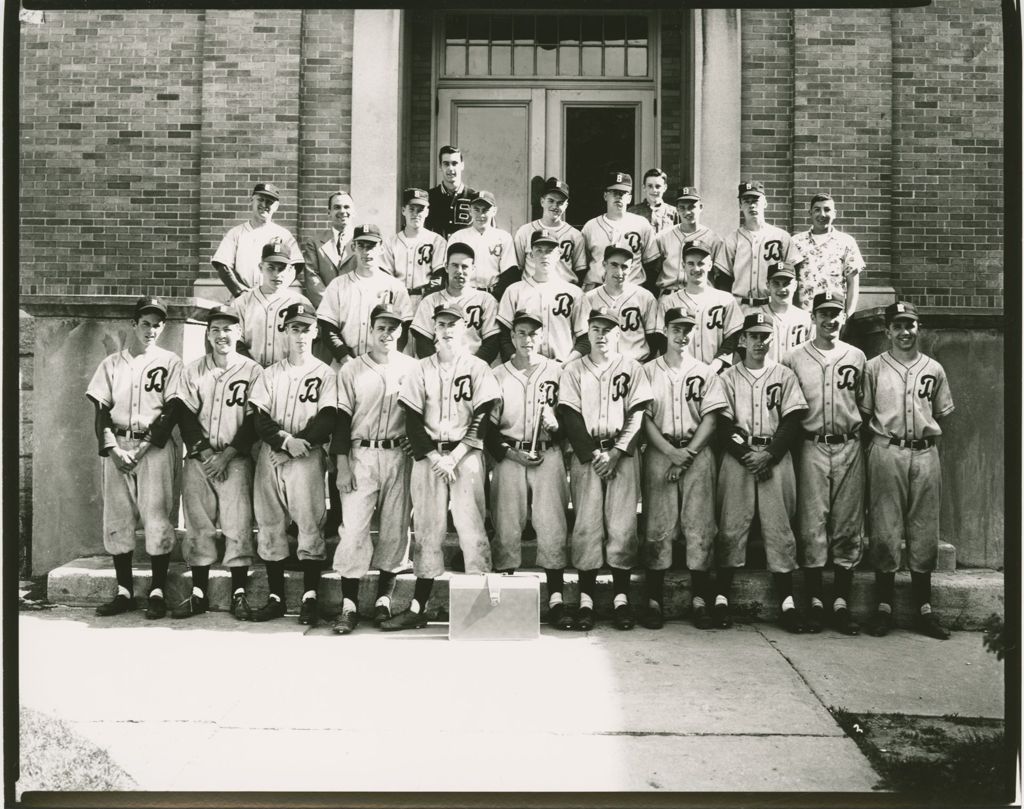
(702, 618)
(721, 617)
(928, 624)
(623, 617)
(274, 608)
(309, 612)
(652, 617)
(346, 622)
(240, 607)
(790, 621)
(879, 624)
(843, 621)
(407, 619)
(380, 615)
(156, 608)
(121, 603)
(561, 617)
(193, 605)
(815, 619)
(584, 619)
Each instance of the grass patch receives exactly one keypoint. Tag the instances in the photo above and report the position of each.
(54, 757)
(948, 759)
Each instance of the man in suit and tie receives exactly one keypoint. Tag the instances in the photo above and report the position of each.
(329, 253)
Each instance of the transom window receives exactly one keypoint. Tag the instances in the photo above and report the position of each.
(540, 45)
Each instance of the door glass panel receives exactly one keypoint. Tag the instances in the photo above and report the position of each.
(495, 139)
(603, 139)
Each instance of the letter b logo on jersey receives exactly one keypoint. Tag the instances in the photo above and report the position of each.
(847, 377)
(773, 250)
(312, 390)
(475, 317)
(156, 377)
(566, 252)
(549, 392)
(239, 393)
(716, 317)
(633, 240)
(926, 389)
(463, 387)
(631, 319)
(773, 396)
(694, 389)
(563, 305)
(620, 386)
(425, 254)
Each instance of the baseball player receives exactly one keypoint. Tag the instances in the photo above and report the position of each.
(719, 318)
(752, 247)
(602, 397)
(830, 472)
(449, 200)
(447, 400)
(259, 311)
(482, 338)
(571, 257)
(528, 462)
(344, 312)
(654, 209)
(757, 430)
(373, 469)
(791, 323)
(546, 294)
(905, 396)
(617, 225)
(237, 258)
(495, 253)
(219, 433)
(640, 334)
(130, 392)
(329, 254)
(689, 231)
(415, 255)
(833, 262)
(679, 469)
(294, 401)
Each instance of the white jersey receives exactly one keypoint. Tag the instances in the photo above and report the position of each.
(792, 327)
(758, 403)
(135, 388)
(638, 314)
(683, 396)
(605, 396)
(481, 315)
(292, 395)
(349, 300)
(572, 250)
(447, 396)
(634, 230)
(670, 247)
(218, 396)
(241, 249)
(523, 398)
(749, 252)
(554, 302)
(412, 259)
(494, 252)
(718, 317)
(831, 382)
(368, 391)
(261, 318)
(905, 401)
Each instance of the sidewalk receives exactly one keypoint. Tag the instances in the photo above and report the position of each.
(213, 704)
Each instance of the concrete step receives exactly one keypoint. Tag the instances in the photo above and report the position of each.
(964, 599)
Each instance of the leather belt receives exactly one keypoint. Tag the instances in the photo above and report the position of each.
(605, 443)
(753, 301)
(758, 441)
(386, 443)
(129, 434)
(446, 446)
(679, 443)
(540, 446)
(912, 443)
(831, 438)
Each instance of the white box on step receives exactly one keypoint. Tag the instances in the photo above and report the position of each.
(494, 606)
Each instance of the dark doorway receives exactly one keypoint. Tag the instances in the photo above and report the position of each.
(597, 140)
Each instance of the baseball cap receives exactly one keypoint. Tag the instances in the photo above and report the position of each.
(688, 192)
(452, 309)
(828, 300)
(150, 304)
(556, 185)
(526, 316)
(460, 247)
(757, 322)
(543, 237)
(901, 309)
(695, 247)
(267, 189)
(367, 233)
(274, 250)
(415, 195)
(679, 315)
(300, 311)
(385, 311)
(618, 181)
(622, 247)
(751, 187)
(603, 313)
(484, 196)
(780, 268)
(224, 313)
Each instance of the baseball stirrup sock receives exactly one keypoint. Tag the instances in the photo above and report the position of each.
(812, 582)
(350, 589)
(655, 581)
(239, 577)
(700, 585)
(620, 581)
(421, 591)
(160, 565)
(123, 569)
(201, 577)
(588, 582)
(386, 584)
(725, 575)
(921, 587)
(885, 584)
(783, 585)
(275, 578)
(555, 579)
(310, 574)
(843, 583)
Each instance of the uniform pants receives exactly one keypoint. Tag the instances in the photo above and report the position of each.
(228, 502)
(381, 484)
(293, 490)
(143, 496)
(687, 505)
(830, 513)
(904, 488)
(605, 509)
(740, 496)
(431, 498)
(510, 485)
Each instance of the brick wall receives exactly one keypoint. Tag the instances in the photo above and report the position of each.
(673, 159)
(418, 158)
(26, 367)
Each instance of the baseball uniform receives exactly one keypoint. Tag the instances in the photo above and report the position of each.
(572, 250)
(608, 400)
(638, 314)
(554, 301)
(481, 315)
(662, 218)
(831, 258)
(792, 327)
(902, 403)
(241, 249)
(260, 317)
(747, 256)
(494, 251)
(718, 317)
(757, 405)
(446, 397)
(516, 415)
(325, 257)
(368, 392)
(681, 397)
(670, 247)
(449, 211)
(413, 259)
(830, 473)
(634, 230)
(350, 298)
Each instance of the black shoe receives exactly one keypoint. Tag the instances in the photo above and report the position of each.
(240, 607)
(407, 619)
(561, 616)
(274, 608)
(193, 605)
(702, 618)
(843, 621)
(815, 619)
(721, 616)
(623, 617)
(156, 608)
(584, 619)
(120, 604)
(652, 617)
(928, 624)
(790, 621)
(309, 612)
(347, 621)
(879, 624)
(380, 614)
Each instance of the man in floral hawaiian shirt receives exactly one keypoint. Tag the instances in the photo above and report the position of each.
(834, 262)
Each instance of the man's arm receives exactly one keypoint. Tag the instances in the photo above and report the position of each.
(424, 345)
(576, 429)
(230, 279)
(319, 428)
(786, 435)
(335, 342)
(489, 348)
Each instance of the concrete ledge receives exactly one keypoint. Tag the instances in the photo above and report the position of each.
(964, 599)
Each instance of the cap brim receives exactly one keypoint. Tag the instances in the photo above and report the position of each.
(448, 313)
(682, 321)
(548, 242)
(905, 316)
(301, 319)
(387, 316)
(829, 305)
(761, 328)
(687, 199)
(157, 309)
(367, 238)
(750, 194)
(556, 191)
(783, 274)
(700, 250)
(603, 319)
(222, 316)
(527, 319)
(619, 187)
(274, 197)
(275, 259)
(621, 252)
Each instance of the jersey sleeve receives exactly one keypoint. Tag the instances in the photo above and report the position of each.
(328, 310)
(386, 261)
(792, 251)
(579, 253)
(570, 390)
(101, 386)
(729, 246)
(866, 394)
(506, 309)
(499, 405)
(403, 303)
(260, 395)
(490, 316)
(653, 321)
(346, 389)
(648, 243)
(519, 242)
(485, 386)
(227, 249)
(733, 318)
(413, 392)
(640, 392)
(439, 259)
(295, 250)
(580, 313)
(942, 405)
(718, 253)
(508, 252)
(792, 396)
(423, 320)
(715, 398)
(187, 390)
(329, 394)
(727, 378)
